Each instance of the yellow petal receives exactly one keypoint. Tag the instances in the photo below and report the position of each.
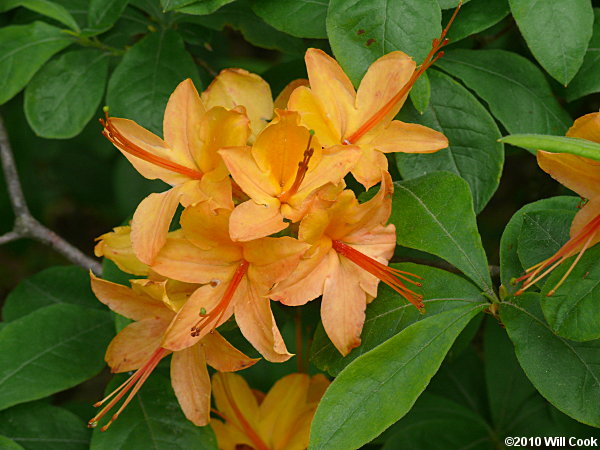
(116, 246)
(250, 220)
(216, 191)
(343, 305)
(151, 222)
(206, 229)
(318, 385)
(128, 303)
(589, 212)
(223, 356)
(367, 170)
(233, 87)
(133, 346)
(257, 324)
(191, 384)
(579, 174)
(183, 116)
(229, 436)
(586, 127)
(408, 138)
(234, 399)
(284, 96)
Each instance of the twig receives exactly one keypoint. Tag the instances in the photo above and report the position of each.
(25, 224)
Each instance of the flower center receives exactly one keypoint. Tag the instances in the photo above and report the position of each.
(210, 319)
(390, 276)
(301, 173)
(133, 384)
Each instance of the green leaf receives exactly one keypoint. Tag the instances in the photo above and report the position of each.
(555, 144)
(154, 420)
(516, 91)
(567, 373)
(23, 50)
(147, 75)
(102, 14)
(360, 31)
(570, 22)
(587, 80)
(46, 8)
(201, 8)
(50, 350)
(474, 152)
(421, 93)
(573, 311)
(55, 285)
(41, 426)
(510, 264)
(475, 16)
(389, 314)
(447, 4)
(300, 18)
(398, 369)
(9, 444)
(424, 222)
(65, 94)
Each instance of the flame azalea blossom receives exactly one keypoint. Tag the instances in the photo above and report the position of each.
(279, 173)
(340, 115)
(350, 249)
(185, 159)
(116, 246)
(237, 276)
(137, 347)
(581, 175)
(278, 421)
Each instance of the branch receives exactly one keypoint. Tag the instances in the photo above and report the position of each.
(25, 224)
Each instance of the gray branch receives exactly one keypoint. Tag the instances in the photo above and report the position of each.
(25, 224)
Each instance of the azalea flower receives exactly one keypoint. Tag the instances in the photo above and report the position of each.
(279, 173)
(237, 277)
(138, 347)
(278, 421)
(116, 246)
(351, 246)
(581, 175)
(185, 159)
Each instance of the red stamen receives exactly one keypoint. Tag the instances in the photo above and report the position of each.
(211, 319)
(300, 174)
(134, 383)
(430, 59)
(388, 275)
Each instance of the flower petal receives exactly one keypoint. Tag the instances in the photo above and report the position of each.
(250, 220)
(134, 345)
(579, 174)
(284, 96)
(314, 117)
(408, 138)
(191, 383)
(231, 393)
(586, 214)
(206, 229)
(223, 356)
(117, 247)
(586, 127)
(367, 170)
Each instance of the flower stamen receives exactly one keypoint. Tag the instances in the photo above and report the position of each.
(300, 174)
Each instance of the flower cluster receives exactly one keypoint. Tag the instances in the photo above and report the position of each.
(266, 217)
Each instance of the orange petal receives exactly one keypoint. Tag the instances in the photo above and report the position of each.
(191, 383)
(590, 211)
(318, 385)
(216, 191)
(408, 138)
(367, 170)
(117, 247)
(233, 87)
(229, 436)
(183, 115)
(128, 303)
(223, 356)
(206, 229)
(579, 174)
(231, 393)
(134, 345)
(250, 220)
(586, 127)
(284, 96)
(343, 305)
(257, 324)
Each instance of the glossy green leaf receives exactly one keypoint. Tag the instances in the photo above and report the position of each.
(421, 93)
(587, 80)
(300, 18)
(360, 31)
(154, 420)
(41, 426)
(50, 350)
(398, 369)
(23, 50)
(570, 22)
(516, 91)
(567, 373)
(510, 264)
(147, 75)
(424, 222)
(102, 14)
(475, 16)
(447, 4)
(555, 144)
(65, 94)
(201, 7)
(573, 311)
(9, 444)
(47, 8)
(389, 313)
(474, 152)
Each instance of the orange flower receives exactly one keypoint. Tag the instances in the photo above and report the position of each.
(238, 276)
(278, 421)
(281, 173)
(116, 246)
(185, 159)
(581, 175)
(350, 249)
(138, 347)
